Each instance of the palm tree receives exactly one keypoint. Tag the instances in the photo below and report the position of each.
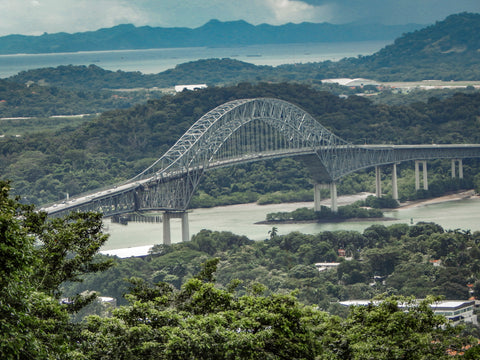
(273, 232)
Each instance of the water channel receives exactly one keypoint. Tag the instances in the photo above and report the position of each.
(135, 239)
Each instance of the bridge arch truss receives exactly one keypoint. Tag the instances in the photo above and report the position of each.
(242, 131)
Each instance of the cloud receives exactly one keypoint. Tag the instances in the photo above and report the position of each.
(296, 11)
(395, 11)
(38, 16)
(194, 13)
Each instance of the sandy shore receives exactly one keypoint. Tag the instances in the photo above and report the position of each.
(450, 197)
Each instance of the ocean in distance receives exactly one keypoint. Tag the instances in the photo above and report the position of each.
(154, 61)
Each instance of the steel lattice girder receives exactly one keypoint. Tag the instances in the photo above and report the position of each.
(169, 183)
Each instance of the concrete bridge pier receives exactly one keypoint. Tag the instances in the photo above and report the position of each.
(167, 215)
(317, 195)
(417, 174)
(333, 195)
(460, 168)
(378, 182)
(394, 182)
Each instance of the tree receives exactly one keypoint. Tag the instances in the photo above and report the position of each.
(69, 248)
(396, 328)
(273, 232)
(35, 325)
(25, 331)
(202, 321)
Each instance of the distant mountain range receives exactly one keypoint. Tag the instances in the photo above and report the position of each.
(214, 34)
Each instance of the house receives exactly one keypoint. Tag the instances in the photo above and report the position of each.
(456, 311)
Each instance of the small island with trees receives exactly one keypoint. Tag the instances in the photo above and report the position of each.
(368, 209)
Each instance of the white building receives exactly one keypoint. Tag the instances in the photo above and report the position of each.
(456, 311)
(180, 88)
(358, 82)
(326, 266)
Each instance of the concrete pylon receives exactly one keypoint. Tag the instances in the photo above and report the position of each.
(460, 168)
(167, 240)
(394, 182)
(417, 174)
(333, 196)
(183, 215)
(317, 196)
(378, 182)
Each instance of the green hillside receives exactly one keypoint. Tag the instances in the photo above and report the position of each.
(119, 144)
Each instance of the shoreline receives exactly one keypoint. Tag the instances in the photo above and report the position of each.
(322, 221)
(459, 195)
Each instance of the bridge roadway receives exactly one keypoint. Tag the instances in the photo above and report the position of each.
(394, 154)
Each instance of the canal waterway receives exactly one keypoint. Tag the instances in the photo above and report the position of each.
(136, 238)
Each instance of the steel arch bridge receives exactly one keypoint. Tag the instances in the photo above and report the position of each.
(242, 131)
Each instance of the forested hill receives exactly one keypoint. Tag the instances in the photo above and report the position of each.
(447, 50)
(213, 33)
(121, 143)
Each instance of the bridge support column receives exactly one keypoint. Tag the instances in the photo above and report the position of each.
(167, 240)
(378, 182)
(183, 215)
(185, 227)
(394, 183)
(460, 168)
(316, 197)
(417, 174)
(425, 176)
(333, 197)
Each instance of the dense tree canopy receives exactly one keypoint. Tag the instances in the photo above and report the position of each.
(34, 324)
(199, 317)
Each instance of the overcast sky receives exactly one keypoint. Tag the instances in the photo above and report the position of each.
(34, 17)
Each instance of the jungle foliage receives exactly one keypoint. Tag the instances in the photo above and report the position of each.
(38, 100)
(36, 257)
(394, 259)
(201, 318)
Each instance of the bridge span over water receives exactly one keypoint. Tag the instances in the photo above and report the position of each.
(248, 130)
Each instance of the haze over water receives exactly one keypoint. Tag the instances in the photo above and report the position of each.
(154, 61)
